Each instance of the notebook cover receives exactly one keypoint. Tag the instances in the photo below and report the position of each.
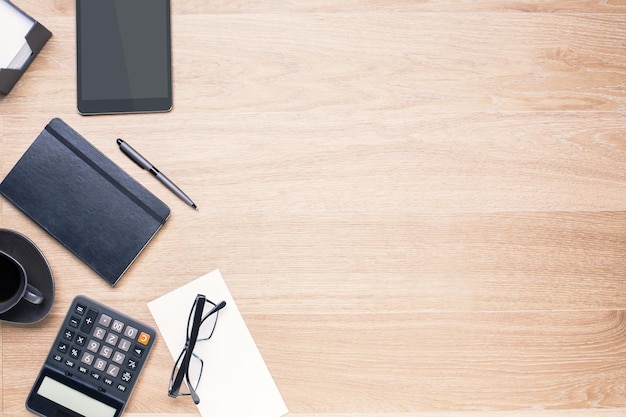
(84, 200)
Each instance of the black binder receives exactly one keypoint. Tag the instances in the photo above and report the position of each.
(84, 200)
(36, 39)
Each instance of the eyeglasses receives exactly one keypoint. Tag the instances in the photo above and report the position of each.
(188, 366)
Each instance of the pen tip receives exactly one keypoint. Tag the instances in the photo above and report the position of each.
(119, 141)
(194, 206)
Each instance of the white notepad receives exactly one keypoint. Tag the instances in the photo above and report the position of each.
(235, 382)
(14, 26)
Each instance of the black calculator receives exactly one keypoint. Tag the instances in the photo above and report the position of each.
(93, 365)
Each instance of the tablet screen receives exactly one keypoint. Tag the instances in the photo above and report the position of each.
(124, 56)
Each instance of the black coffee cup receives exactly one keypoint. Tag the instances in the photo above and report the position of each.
(14, 284)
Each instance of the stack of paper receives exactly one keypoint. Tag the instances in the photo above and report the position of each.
(14, 26)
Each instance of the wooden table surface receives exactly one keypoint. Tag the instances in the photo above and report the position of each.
(419, 206)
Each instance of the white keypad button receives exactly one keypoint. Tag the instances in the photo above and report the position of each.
(124, 345)
(87, 358)
(117, 326)
(106, 351)
(93, 346)
(104, 320)
(112, 339)
(119, 358)
(130, 332)
(100, 364)
(99, 333)
(113, 370)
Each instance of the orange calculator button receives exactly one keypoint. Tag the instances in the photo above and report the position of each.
(143, 338)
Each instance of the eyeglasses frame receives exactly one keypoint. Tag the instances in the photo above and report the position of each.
(180, 372)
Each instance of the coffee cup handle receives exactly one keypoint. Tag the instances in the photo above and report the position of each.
(33, 295)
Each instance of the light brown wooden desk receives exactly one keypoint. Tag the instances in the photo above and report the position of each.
(420, 207)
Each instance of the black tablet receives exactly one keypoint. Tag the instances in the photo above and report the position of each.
(124, 58)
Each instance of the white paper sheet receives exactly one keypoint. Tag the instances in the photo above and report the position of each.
(14, 26)
(235, 381)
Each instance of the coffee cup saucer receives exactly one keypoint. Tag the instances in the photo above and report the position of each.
(39, 275)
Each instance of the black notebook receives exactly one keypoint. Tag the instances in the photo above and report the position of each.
(84, 200)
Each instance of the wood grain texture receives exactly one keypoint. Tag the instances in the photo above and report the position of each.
(400, 163)
(382, 61)
(419, 207)
(66, 7)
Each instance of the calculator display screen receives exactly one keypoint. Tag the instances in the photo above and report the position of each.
(73, 400)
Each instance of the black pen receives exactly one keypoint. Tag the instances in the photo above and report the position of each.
(145, 164)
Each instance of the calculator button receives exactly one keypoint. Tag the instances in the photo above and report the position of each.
(87, 358)
(80, 309)
(117, 326)
(69, 363)
(93, 346)
(113, 370)
(126, 376)
(62, 347)
(90, 319)
(95, 376)
(124, 345)
(74, 321)
(80, 340)
(119, 358)
(105, 320)
(82, 370)
(112, 339)
(100, 364)
(74, 353)
(99, 333)
(121, 387)
(130, 332)
(132, 364)
(106, 352)
(68, 334)
(143, 338)
(138, 351)
(108, 381)
(57, 357)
